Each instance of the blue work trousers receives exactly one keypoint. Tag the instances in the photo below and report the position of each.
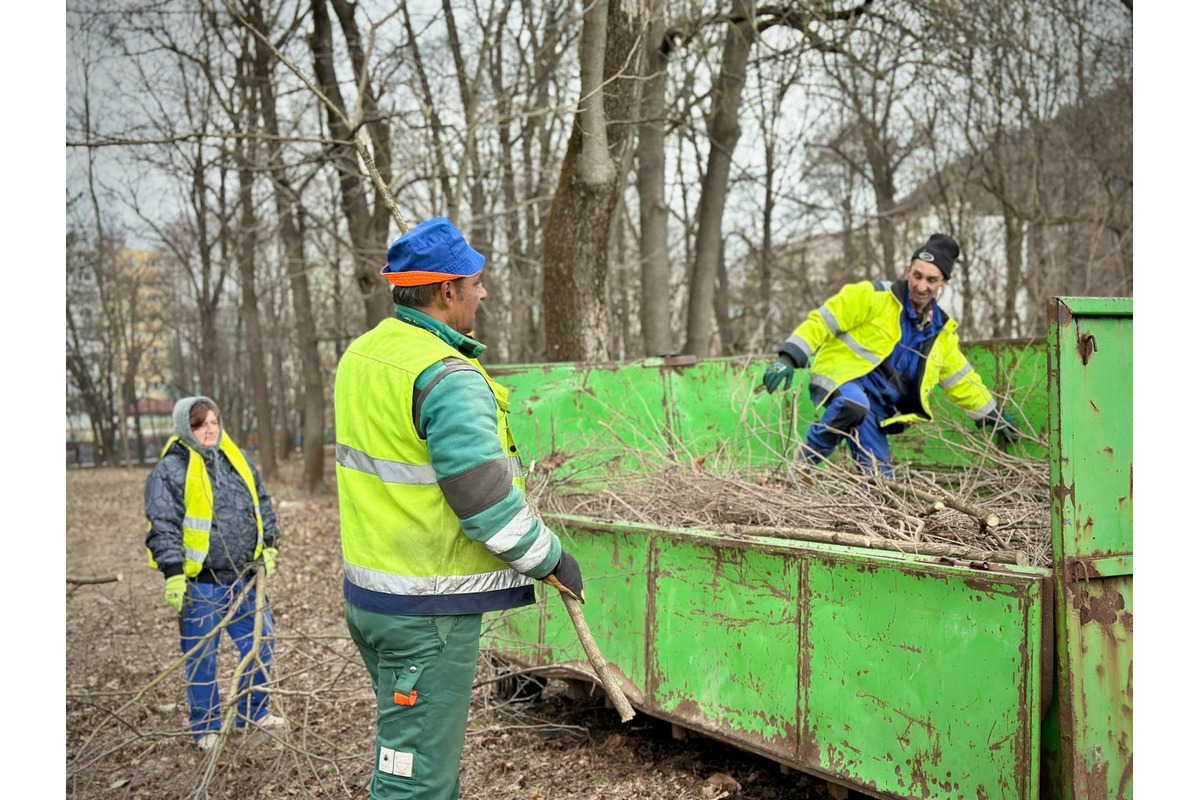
(852, 416)
(204, 607)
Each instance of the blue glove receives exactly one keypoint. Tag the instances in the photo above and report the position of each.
(780, 371)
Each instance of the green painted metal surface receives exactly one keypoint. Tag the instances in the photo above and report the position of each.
(896, 674)
(1091, 421)
(588, 421)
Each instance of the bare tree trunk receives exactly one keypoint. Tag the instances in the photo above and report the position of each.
(1014, 240)
(724, 132)
(479, 232)
(291, 231)
(721, 307)
(538, 132)
(652, 199)
(368, 228)
(263, 418)
(577, 233)
(437, 131)
(883, 181)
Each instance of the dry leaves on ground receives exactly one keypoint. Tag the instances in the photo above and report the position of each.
(126, 717)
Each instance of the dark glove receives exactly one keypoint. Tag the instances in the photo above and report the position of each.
(779, 372)
(566, 577)
(1004, 425)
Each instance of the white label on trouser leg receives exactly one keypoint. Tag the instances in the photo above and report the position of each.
(395, 763)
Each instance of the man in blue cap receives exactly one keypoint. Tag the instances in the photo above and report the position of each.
(877, 349)
(435, 526)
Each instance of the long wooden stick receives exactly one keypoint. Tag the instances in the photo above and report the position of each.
(985, 517)
(1018, 557)
(98, 579)
(598, 662)
(611, 688)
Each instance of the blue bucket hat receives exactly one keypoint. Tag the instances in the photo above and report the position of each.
(432, 252)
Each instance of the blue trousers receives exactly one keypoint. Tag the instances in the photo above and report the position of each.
(850, 415)
(204, 607)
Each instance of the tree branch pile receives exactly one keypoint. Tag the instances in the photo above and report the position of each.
(997, 508)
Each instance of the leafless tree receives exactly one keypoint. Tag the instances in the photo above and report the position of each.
(367, 210)
(578, 232)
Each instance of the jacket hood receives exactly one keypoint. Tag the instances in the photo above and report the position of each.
(183, 425)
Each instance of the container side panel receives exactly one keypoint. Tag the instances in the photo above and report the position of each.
(920, 683)
(719, 419)
(1091, 420)
(586, 422)
(724, 642)
(899, 675)
(590, 421)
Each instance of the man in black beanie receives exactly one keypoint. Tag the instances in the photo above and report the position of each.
(877, 349)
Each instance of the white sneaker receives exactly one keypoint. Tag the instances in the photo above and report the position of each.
(208, 741)
(272, 722)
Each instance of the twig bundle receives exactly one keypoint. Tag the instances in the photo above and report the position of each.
(1000, 502)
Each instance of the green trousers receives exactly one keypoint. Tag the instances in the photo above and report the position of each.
(422, 669)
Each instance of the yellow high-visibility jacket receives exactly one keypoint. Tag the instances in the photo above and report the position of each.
(404, 547)
(857, 329)
(198, 504)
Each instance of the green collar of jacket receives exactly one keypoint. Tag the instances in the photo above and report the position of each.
(463, 344)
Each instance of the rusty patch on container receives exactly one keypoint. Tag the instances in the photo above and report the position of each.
(678, 361)
(715, 723)
(1095, 779)
(1085, 344)
(1049, 599)
(1062, 492)
(1104, 608)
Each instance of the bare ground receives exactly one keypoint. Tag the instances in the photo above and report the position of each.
(126, 730)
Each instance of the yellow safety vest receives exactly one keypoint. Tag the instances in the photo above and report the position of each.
(399, 535)
(857, 329)
(198, 504)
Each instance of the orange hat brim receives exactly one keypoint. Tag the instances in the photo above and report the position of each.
(416, 278)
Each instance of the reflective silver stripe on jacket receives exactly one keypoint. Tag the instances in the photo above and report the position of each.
(831, 322)
(848, 340)
(515, 470)
(859, 350)
(507, 538)
(800, 343)
(442, 584)
(827, 385)
(197, 524)
(399, 472)
(386, 471)
(988, 409)
(946, 383)
(192, 554)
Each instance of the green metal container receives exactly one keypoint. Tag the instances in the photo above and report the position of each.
(898, 675)
(1091, 476)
